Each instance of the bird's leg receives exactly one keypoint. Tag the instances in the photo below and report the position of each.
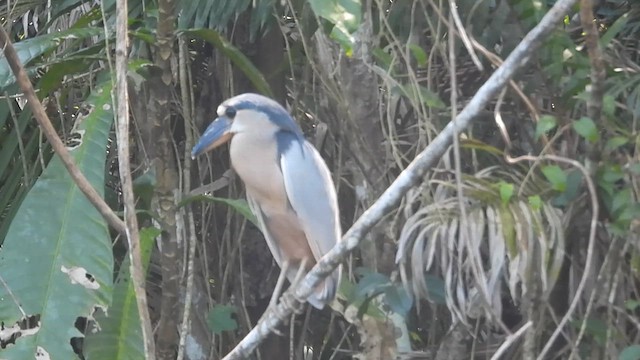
(302, 270)
(278, 289)
(290, 301)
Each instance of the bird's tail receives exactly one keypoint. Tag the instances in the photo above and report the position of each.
(326, 291)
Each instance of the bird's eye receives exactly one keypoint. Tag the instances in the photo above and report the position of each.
(230, 112)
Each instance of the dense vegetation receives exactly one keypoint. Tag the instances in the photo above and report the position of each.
(527, 225)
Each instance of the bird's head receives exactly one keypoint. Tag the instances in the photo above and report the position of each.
(246, 113)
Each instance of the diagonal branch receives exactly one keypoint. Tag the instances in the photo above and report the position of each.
(56, 143)
(405, 181)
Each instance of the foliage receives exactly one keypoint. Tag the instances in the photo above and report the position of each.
(484, 246)
(70, 272)
(220, 319)
(120, 335)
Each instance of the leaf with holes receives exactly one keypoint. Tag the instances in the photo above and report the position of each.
(56, 228)
(120, 335)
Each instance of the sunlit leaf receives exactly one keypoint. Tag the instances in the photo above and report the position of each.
(506, 192)
(345, 15)
(419, 54)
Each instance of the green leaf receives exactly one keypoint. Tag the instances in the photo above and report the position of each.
(630, 353)
(574, 181)
(535, 202)
(120, 335)
(220, 319)
(635, 168)
(370, 283)
(609, 106)
(546, 123)
(239, 205)
(31, 48)
(556, 176)
(586, 128)
(436, 289)
(506, 192)
(632, 305)
(419, 54)
(616, 142)
(384, 59)
(346, 16)
(56, 259)
(613, 30)
(594, 327)
(236, 56)
(420, 94)
(143, 187)
(398, 300)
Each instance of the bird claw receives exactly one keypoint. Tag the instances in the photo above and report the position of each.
(292, 303)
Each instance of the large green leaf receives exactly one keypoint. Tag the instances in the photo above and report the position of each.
(217, 14)
(236, 56)
(31, 48)
(120, 335)
(56, 261)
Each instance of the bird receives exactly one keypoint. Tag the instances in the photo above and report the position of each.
(287, 183)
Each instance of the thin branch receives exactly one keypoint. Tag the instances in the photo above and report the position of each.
(124, 167)
(598, 70)
(510, 340)
(405, 181)
(56, 143)
(185, 90)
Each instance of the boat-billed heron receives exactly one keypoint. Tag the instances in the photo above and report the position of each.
(288, 185)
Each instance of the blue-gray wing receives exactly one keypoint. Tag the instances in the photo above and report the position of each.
(312, 195)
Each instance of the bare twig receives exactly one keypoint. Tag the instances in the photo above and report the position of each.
(405, 181)
(453, 9)
(510, 340)
(186, 111)
(598, 71)
(50, 132)
(122, 132)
